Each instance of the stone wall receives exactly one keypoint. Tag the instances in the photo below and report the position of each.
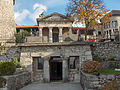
(7, 23)
(15, 82)
(10, 52)
(94, 82)
(83, 51)
(104, 50)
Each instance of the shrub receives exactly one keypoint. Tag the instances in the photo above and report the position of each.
(19, 36)
(97, 59)
(111, 58)
(16, 62)
(7, 68)
(113, 85)
(2, 82)
(92, 66)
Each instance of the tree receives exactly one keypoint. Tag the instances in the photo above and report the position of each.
(21, 36)
(88, 12)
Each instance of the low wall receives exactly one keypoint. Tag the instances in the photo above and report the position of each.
(91, 82)
(15, 82)
(107, 49)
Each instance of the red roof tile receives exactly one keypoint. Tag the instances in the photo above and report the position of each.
(26, 26)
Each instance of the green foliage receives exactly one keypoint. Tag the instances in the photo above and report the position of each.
(7, 68)
(2, 82)
(108, 71)
(91, 66)
(16, 62)
(111, 58)
(97, 59)
(19, 36)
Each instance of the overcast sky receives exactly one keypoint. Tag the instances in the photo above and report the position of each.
(26, 11)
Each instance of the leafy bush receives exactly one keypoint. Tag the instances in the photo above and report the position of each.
(19, 37)
(113, 85)
(7, 68)
(97, 59)
(111, 58)
(16, 62)
(92, 66)
(2, 82)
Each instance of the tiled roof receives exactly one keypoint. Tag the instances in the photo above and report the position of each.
(115, 12)
(78, 27)
(82, 28)
(26, 26)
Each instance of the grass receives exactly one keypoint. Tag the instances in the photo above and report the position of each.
(109, 71)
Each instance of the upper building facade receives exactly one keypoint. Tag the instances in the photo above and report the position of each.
(111, 31)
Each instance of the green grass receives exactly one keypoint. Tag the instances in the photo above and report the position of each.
(109, 71)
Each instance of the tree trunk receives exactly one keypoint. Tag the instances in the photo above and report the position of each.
(86, 33)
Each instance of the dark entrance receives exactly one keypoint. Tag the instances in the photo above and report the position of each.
(55, 37)
(55, 69)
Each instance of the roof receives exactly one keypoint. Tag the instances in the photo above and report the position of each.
(26, 26)
(115, 12)
(45, 18)
(78, 27)
(82, 28)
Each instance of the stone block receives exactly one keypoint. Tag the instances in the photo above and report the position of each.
(88, 53)
(89, 57)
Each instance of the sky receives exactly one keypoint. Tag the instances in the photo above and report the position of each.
(26, 11)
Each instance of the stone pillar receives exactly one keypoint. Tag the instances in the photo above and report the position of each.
(70, 31)
(60, 35)
(65, 69)
(31, 32)
(46, 70)
(50, 35)
(119, 33)
(40, 33)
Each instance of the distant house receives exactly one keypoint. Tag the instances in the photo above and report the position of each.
(111, 30)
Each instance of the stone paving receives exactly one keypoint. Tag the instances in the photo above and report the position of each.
(53, 86)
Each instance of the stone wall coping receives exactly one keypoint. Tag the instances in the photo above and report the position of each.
(15, 75)
(99, 43)
(91, 75)
(52, 44)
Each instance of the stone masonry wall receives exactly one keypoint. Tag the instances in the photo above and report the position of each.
(15, 82)
(10, 52)
(104, 50)
(93, 82)
(7, 23)
(45, 52)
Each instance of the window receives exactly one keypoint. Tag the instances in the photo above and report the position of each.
(99, 32)
(114, 23)
(74, 32)
(38, 63)
(73, 61)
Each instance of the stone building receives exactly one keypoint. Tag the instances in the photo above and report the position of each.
(55, 54)
(112, 30)
(7, 23)
(51, 54)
